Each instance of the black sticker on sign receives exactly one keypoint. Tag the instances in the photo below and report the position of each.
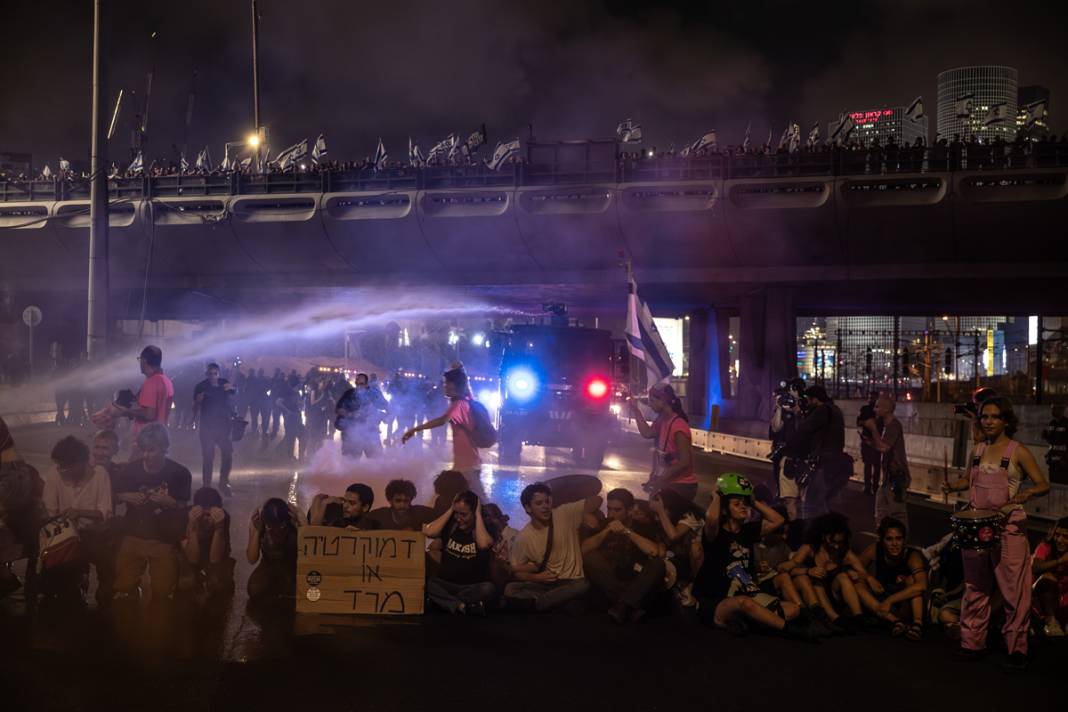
(314, 578)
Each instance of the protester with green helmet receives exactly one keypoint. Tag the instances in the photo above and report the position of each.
(724, 559)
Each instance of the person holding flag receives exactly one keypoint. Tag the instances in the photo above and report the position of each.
(673, 462)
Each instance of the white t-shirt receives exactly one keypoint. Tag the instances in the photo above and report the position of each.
(565, 560)
(92, 493)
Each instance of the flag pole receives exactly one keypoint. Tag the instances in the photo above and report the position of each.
(256, 75)
(97, 322)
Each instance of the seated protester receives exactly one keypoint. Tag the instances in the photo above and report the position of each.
(547, 555)
(207, 545)
(898, 587)
(21, 511)
(723, 558)
(80, 492)
(354, 507)
(105, 448)
(152, 488)
(825, 572)
(501, 566)
(680, 521)
(1049, 566)
(447, 485)
(946, 573)
(463, 584)
(624, 560)
(773, 551)
(272, 541)
(400, 515)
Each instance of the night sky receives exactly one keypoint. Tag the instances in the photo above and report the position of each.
(358, 70)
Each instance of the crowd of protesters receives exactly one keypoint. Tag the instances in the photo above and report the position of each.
(741, 563)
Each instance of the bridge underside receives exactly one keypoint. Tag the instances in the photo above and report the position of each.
(962, 242)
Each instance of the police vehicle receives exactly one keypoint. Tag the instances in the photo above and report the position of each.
(556, 390)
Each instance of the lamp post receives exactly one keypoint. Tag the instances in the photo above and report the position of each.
(97, 321)
(256, 79)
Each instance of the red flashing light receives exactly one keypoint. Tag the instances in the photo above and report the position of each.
(597, 388)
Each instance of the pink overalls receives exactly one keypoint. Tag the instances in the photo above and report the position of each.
(1008, 564)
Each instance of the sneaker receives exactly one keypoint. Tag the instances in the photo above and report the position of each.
(824, 621)
(476, 609)
(225, 489)
(802, 628)
(1016, 662)
(1053, 629)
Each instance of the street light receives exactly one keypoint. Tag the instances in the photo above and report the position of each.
(253, 140)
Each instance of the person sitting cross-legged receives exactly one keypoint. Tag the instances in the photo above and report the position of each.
(1050, 570)
(624, 560)
(826, 573)
(272, 543)
(896, 590)
(724, 560)
(463, 584)
(547, 554)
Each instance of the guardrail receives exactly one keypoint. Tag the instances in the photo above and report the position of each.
(835, 163)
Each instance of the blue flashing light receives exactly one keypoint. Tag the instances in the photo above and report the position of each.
(522, 384)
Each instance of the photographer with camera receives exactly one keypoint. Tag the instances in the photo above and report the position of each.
(821, 432)
(789, 404)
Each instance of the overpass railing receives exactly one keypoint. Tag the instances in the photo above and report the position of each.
(627, 169)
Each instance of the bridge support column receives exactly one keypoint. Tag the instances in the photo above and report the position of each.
(768, 350)
(709, 378)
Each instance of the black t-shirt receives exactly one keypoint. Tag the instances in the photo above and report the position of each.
(150, 521)
(362, 521)
(462, 562)
(622, 553)
(216, 408)
(722, 555)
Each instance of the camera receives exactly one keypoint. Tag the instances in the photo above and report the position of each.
(971, 408)
(785, 398)
(125, 398)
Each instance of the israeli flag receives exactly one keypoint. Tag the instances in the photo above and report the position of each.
(183, 165)
(137, 165)
(843, 129)
(629, 132)
(1036, 111)
(440, 150)
(245, 163)
(227, 162)
(814, 135)
(204, 160)
(292, 155)
(795, 137)
(319, 149)
(784, 140)
(455, 149)
(915, 110)
(415, 154)
(380, 155)
(745, 141)
(996, 114)
(64, 165)
(47, 172)
(502, 153)
(643, 339)
(767, 145)
(476, 139)
(962, 107)
(709, 139)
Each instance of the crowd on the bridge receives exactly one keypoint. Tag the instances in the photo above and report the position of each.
(751, 560)
(852, 157)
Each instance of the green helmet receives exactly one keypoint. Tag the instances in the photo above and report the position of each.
(733, 484)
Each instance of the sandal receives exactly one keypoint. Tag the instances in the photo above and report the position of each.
(898, 630)
(915, 632)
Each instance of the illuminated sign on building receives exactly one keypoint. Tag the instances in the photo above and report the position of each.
(870, 117)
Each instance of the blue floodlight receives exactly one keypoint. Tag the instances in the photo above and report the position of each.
(522, 384)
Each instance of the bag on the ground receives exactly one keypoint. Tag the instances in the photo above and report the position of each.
(483, 434)
(59, 544)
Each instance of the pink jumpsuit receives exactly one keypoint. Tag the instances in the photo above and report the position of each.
(1008, 565)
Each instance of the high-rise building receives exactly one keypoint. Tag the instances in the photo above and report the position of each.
(883, 124)
(1029, 95)
(989, 86)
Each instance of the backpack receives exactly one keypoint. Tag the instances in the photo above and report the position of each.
(483, 434)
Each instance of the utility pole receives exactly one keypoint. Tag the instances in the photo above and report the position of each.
(97, 331)
(256, 76)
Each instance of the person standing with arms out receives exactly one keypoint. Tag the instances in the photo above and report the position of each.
(999, 466)
(213, 411)
(465, 456)
(673, 467)
(154, 400)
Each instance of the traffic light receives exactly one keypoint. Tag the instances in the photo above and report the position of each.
(948, 367)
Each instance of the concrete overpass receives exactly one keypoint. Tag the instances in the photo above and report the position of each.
(765, 238)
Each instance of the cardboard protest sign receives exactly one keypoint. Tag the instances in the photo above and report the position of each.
(345, 571)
